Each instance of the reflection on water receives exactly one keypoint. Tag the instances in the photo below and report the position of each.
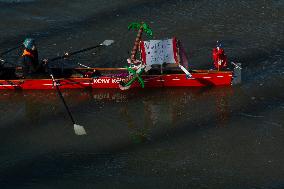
(145, 135)
(142, 111)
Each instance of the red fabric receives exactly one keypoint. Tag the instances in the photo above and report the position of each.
(184, 59)
(175, 49)
(143, 52)
(219, 58)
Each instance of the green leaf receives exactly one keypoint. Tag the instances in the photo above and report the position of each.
(141, 81)
(147, 30)
(137, 26)
(131, 70)
(134, 25)
(145, 26)
(130, 82)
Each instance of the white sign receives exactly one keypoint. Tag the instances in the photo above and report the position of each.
(159, 51)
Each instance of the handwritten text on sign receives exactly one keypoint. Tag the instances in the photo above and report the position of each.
(159, 51)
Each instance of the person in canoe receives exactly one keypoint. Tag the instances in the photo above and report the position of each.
(219, 57)
(29, 59)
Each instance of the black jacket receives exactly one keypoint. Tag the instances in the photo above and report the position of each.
(30, 61)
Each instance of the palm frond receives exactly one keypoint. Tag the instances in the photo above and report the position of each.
(137, 26)
(134, 25)
(149, 32)
(147, 29)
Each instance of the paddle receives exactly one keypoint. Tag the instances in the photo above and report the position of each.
(105, 43)
(237, 65)
(9, 50)
(79, 130)
(2, 61)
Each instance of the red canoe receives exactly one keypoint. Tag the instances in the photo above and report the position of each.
(111, 79)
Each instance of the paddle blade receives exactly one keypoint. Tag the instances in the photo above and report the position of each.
(79, 130)
(107, 42)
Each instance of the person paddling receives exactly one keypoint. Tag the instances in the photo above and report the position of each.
(30, 61)
(219, 57)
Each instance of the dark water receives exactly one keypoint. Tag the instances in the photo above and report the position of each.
(230, 137)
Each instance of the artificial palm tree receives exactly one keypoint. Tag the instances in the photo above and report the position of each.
(135, 74)
(140, 27)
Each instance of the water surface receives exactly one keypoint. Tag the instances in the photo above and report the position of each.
(224, 137)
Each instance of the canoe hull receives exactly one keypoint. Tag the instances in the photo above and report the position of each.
(200, 78)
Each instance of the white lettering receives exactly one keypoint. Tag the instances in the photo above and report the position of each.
(117, 80)
(101, 80)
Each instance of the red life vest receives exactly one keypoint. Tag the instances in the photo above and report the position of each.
(219, 58)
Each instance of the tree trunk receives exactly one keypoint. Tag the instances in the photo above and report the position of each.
(136, 44)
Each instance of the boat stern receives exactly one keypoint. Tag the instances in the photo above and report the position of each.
(237, 73)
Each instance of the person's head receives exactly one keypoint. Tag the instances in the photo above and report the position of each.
(218, 44)
(29, 44)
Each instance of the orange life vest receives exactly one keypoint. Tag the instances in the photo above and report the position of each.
(27, 53)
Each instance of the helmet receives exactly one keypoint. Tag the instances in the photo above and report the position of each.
(218, 44)
(29, 43)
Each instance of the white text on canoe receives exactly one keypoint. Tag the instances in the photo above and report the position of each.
(106, 80)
